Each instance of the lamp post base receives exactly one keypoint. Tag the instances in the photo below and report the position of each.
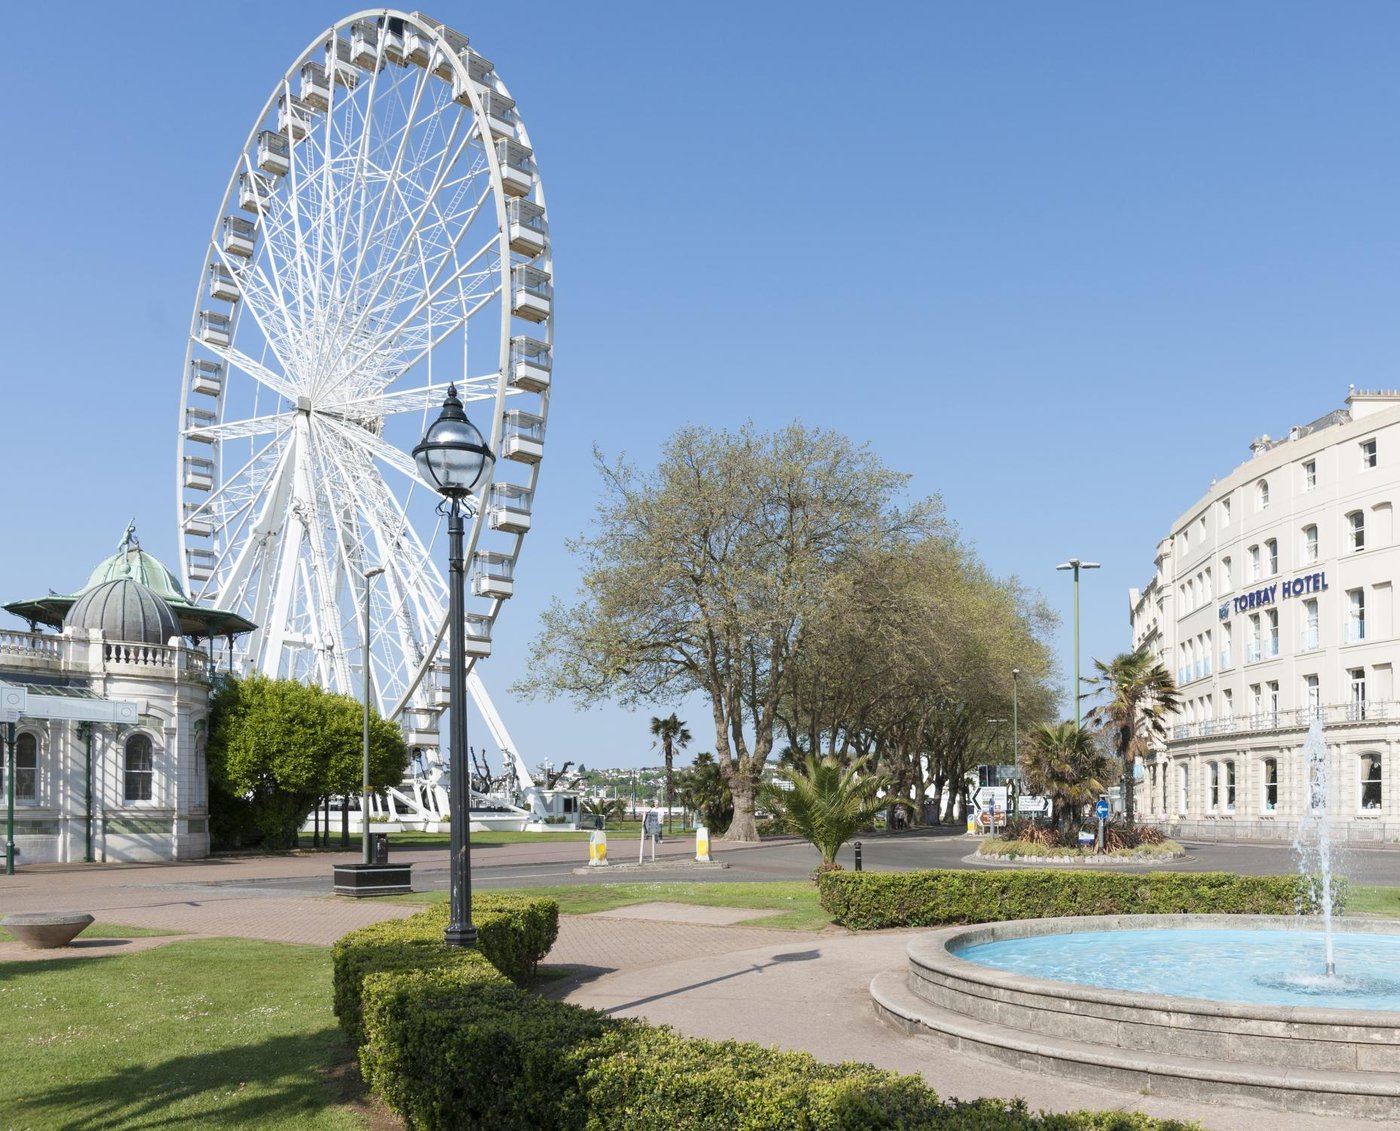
(459, 936)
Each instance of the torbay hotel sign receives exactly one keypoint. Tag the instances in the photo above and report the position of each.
(1268, 594)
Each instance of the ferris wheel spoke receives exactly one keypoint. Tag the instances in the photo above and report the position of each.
(259, 373)
(418, 400)
(253, 426)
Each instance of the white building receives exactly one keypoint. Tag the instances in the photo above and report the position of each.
(102, 791)
(1273, 604)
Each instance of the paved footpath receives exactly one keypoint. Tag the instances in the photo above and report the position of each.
(698, 970)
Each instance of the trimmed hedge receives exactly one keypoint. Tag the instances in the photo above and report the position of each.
(866, 901)
(513, 934)
(445, 1055)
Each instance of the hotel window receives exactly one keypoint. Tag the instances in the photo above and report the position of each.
(1229, 787)
(1271, 633)
(1312, 697)
(1261, 495)
(1370, 781)
(1201, 530)
(1356, 709)
(1310, 625)
(1256, 701)
(1224, 512)
(1309, 545)
(1271, 701)
(1190, 595)
(1368, 454)
(1208, 593)
(1270, 784)
(1227, 704)
(1356, 615)
(1309, 474)
(1226, 637)
(27, 767)
(1226, 580)
(1183, 800)
(1213, 786)
(1255, 649)
(140, 768)
(1271, 555)
(1253, 564)
(1356, 531)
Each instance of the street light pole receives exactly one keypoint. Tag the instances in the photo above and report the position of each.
(370, 575)
(1076, 565)
(1016, 739)
(453, 458)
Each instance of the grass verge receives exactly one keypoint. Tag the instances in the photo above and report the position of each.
(791, 905)
(110, 931)
(200, 1033)
(1377, 901)
(1019, 849)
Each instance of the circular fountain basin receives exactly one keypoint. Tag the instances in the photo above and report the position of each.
(1279, 1053)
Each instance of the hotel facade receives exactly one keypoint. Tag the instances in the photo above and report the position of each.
(1272, 603)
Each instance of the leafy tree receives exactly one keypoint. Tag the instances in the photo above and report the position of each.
(702, 789)
(673, 736)
(827, 802)
(276, 746)
(1064, 763)
(1140, 693)
(699, 576)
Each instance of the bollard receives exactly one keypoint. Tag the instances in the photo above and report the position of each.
(598, 849)
(702, 844)
(857, 848)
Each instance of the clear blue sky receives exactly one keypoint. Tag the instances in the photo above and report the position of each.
(1061, 263)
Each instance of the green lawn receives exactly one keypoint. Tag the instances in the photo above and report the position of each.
(199, 1033)
(109, 931)
(616, 830)
(1384, 902)
(792, 904)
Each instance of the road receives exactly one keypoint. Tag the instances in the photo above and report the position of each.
(546, 863)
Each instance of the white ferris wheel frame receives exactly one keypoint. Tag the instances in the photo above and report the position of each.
(282, 510)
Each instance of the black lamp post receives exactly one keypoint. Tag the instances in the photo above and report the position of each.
(452, 459)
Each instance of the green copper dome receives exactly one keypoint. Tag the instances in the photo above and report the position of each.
(132, 562)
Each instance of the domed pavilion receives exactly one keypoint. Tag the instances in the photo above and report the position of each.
(109, 751)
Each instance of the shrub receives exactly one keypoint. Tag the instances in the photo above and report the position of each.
(649, 1079)
(446, 1053)
(875, 900)
(513, 934)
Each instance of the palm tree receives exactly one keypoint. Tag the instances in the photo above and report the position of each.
(609, 808)
(703, 789)
(1140, 694)
(1062, 762)
(828, 801)
(673, 736)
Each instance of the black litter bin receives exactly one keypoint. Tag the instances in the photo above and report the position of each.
(379, 848)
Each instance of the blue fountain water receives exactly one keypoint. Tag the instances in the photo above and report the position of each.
(1257, 966)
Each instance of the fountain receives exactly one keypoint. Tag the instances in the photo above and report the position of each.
(1313, 843)
(1281, 1012)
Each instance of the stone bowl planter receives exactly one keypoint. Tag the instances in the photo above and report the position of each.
(47, 930)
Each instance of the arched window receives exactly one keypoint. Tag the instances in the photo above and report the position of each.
(1356, 531)
(1261, 495)
(140, 768)
(27, 767)
(1371, 781)
(1309, 545)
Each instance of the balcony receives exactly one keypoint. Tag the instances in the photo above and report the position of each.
(83, 656)
(1300, 718)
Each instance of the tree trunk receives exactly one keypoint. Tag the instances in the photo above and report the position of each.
(1129, 802)
(743, 827)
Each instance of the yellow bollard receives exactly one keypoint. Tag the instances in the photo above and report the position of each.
(598, 849)
(702, 844)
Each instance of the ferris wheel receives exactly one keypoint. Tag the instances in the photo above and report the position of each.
(383, 234)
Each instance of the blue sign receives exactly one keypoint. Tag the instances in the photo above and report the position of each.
(1268, 594)
(1102, 809)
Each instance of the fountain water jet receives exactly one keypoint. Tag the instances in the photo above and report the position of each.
(1313, 843)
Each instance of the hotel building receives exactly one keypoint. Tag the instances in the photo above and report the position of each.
(1272, 604)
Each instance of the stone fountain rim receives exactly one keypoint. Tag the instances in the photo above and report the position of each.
(932, 951)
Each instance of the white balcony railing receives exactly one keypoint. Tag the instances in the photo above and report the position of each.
(1370, 710)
